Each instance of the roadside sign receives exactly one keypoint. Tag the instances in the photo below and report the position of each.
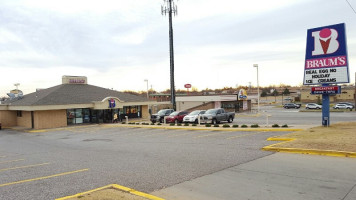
(187, 85)
(326, 90)
(242, 95)
(326, 60)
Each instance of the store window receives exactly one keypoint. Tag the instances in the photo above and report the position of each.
(78, 116)
(132, 112)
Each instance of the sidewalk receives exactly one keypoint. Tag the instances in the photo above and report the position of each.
(278, 176)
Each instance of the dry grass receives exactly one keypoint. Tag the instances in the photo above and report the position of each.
(337, 137)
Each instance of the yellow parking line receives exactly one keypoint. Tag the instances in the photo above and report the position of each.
(155, 134)
(177, 135)
(21, 167)
(116, 186)
(211, 134)
(239, 136)
(41, 178)
(9, 161)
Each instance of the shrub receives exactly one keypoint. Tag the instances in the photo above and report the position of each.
(207, 125)
(226, 126)
(152, 123)
(179, 124)
(186, 124)
(194, 124)
(172, 124)
(123, 122)
(137, 123)
(235, 126)
(145, 123)
(244, 126)
(275, 125)
(254, 126)
(216, 125)
(159, 124)
(285, 126)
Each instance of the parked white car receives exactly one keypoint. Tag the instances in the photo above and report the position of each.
(342, 106)
(193, 116)
(313, 106)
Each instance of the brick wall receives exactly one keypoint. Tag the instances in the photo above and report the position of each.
(50, 119)
(7, 118)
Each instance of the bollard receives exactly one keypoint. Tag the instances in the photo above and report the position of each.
(267, 116)
(199, 119)
(164, 119)
(127, 119)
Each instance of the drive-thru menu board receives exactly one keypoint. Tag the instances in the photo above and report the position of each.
(326, 60)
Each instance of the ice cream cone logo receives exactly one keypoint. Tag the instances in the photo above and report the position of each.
(325, 42)
(325, 37)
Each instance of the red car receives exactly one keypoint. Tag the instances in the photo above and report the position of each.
(176, 117)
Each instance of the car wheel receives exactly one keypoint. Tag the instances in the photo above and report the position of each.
(230, 120)
(161, 120)
(196, 121)
(307, 108)
(214, 121)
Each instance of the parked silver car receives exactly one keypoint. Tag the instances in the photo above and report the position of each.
(193, 116)
(313, 106)
(342, 106)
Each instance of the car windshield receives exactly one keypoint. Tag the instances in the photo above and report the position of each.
(196, 112)
(173, 114)
(213, 111)
(162, 112)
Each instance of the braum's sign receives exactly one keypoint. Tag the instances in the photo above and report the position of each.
(326, 60)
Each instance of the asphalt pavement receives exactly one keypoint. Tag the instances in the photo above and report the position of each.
(171, 164)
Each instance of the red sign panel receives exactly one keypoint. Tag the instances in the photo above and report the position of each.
(326, 90)
(187, 85)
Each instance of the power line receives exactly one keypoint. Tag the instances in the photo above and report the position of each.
(351, 6)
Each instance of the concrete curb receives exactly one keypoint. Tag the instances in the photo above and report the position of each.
(114, 186)
(305, 151)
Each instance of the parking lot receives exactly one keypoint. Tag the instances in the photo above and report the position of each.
(53, 164)
(56, 163)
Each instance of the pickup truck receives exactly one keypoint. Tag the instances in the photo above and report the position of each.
(217, 115)
(159, 117)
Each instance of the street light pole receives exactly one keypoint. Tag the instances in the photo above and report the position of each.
(147, 87)
(258, 90)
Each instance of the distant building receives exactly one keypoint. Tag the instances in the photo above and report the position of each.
(72, 102)
(347, 94)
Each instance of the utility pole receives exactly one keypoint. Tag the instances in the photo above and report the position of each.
(170, 8)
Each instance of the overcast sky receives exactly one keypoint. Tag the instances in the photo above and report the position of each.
(120, 43)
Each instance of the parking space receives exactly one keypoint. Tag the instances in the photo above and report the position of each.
(62, 162)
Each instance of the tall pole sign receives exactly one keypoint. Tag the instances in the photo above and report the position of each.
(326, 62)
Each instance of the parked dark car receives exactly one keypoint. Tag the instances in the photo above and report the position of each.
(159, 117)
(176, 117)
(291, 105)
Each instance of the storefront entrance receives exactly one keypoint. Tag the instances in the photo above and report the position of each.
(86, 116)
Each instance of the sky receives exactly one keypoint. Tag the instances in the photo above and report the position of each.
(119, 44)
